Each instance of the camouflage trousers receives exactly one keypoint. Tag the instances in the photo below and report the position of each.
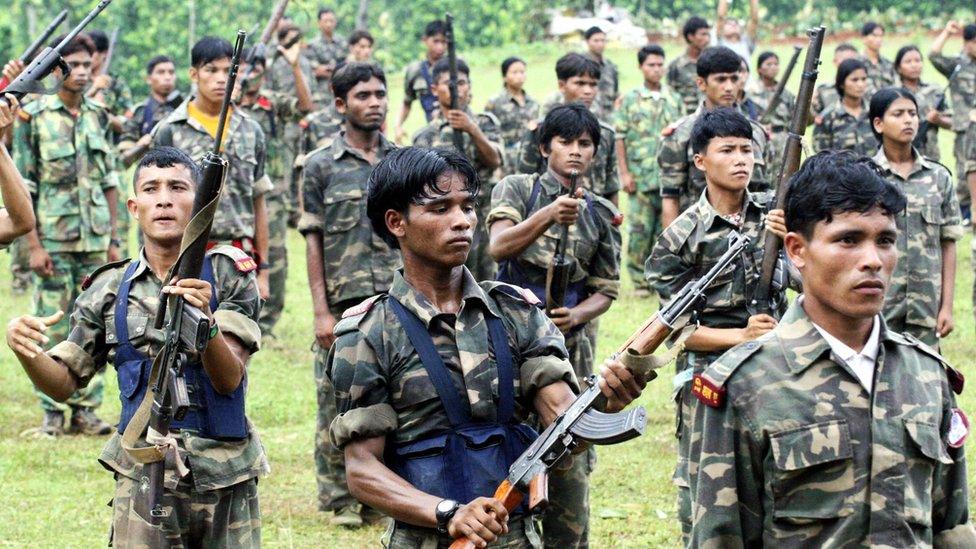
(227, 517)
(522, 534)
(964, 149)
(59, 292)
(20, 270)
(644, 228)
(278, 211)
(479, 262)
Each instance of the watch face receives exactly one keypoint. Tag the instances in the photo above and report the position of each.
(445, 505)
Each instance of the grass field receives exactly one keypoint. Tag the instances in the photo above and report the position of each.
(54, 493)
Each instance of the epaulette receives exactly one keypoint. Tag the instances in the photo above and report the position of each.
(956, 379)
(616, 218)
(242, 262)
(518, 293)
(491, 118)
(302, 160)
(353, 315)
(87, 282)
(709, 386)
(606, 126)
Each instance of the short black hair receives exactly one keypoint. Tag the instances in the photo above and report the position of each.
(324, 10)
(158, 60)
(100, 39)
(434, 28)
(763, 57)
(882, 100)
(902, 51)
(844, 70)
(569, 121)
(508, 62)
(836, 182)
(167, 157)
(252, 55)
(693, 25)
(969, 32)
(845, 46)
(650, 49)
(350, 74)
(869, 27)
(721, 122)
(444, 65)
(575, 64)
(593, 30)
(287, 29)
(407, 176)
(360, 34)
(209, 49)
(82, 42)
(718, 60)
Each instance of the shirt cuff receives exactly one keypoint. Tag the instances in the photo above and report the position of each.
(373, 421)
(605, 286)
(243, 328)
(79, 363)
(951, 232)
(263, 186)
(310, 223)
(503, 212)
(670, 192)
(542, 371)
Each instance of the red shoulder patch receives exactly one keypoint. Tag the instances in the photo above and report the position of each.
(86, 283)
(246, 264)
(707, 392)
(617, 220)
(668, 130)
(264, 103)
(360, 309)
(529, 297)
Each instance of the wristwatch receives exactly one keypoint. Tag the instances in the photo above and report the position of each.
(445, 512)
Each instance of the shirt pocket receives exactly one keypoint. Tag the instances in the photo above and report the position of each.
(923, 454)
(138, 325)
(812, 472)
(57, 165)
(101, 220)
(342, 209)
(413, 388)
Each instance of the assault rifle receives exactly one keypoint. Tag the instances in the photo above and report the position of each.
(581, 422)
(557, 276)
(777, 97)
(38, 43)
(259, 50)
(452, 84)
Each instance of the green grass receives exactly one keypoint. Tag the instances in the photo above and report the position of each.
(54, 493)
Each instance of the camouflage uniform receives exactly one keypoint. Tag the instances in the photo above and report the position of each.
(513, 120)
(358, 264)
(382, 388)
(68, 163)
(778, 123)
(323, 51)
(929, 97)
(880, 75)
(217, 502)
(682, 180)
(594, 248)
(147, 115)
(825, 96)
(914, 294)
(682, 77)
(439, 134)
(117, 100)
(839, 130)
(642, 116)
(688, 247)
(416, 87)
(795, 452)
(556, 98)
(608, 88)
(320, 128)
(281, 79)
(962, 94)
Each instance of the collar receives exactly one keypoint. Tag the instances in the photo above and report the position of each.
(418, 304)
(920, 164)
(709, 215)
(847, 354)
(645, 93)
(54, 102)
(340, 147)
(182, 114)
(143, 265)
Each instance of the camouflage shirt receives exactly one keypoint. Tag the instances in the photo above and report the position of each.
(513, 120)
(929, 97)
(281, 79)
(67, 163)
(683, 78)
(608, 88)
(244, 149)
(642, 116)
(779, 120)
(839, 130)
(147, 115)
(415, 85)
(382, 387)
(117, 98)
(275, 111)
(825, 96)
(320, 128)
(439, 134)
(962, 87)
(92, 343)
(796, 452)
(324, 51)
(594, 240)
(358, 263)
(880, 75)
(931, 217)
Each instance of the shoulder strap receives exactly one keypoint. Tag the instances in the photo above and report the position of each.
(122, 304)
(534, 197)
(207, 273)
(147, 115)
(505, 364)
(425, 72)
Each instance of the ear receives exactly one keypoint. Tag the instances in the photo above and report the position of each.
(700, 82)
(878, 124)
(193, 74)
(340, 105)
(562, 85)
(699, 159)
(130, 204)
(396, 223)
(544, 150)
(795, 245)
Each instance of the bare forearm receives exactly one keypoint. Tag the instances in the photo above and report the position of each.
(225, 361)
(404, 114)
(261, 228)
(552, 400)
(315, 269)
(305, 103)
(714, 340)
(49, 376)
(938, 43)
(373, 483)
(669, 210)
(18, 219)
(509, 240)
(487, 153)
(948, 272)
(592, 307)
(621, 150)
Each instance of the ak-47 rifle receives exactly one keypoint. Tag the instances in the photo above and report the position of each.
(762, 300)
(259, 50)
(778, 94)
(581, 422)
(49, 59)
(557, 276)
(38, 43)
(452, 84)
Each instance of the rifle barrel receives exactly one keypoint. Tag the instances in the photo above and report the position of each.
(42, 39)
(229, 90)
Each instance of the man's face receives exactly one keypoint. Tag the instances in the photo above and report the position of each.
(653, 68)
(727, 162)
(515, 77)
(211, 79)
(254, 81)
(365, 105)
(80, 76)
(597, 43)
(843, 55)
(327, 23)
(769, 68)
(567, 155)
(732, 30)
(362, 50)
(436, 46)
(873, 40)
(98, 59)
(439, 230)
(847, 263)
(162, 202)
(969, 46)
(721, 89)
(700, 38)
(579, 88)
(442, 89)
(162, 79)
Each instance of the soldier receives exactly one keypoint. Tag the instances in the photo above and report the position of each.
(682, 71)
(320, 128)
(833, 430)
(418, 78)
(681, 181)
(17, 214)
(241, 218)
(526, 210)
(65, 155)
(825, 95)
(578, 77)
(762, 92)
(163, 99)
(747, 106)
(920, 294)
(846, 126)
(881, 71)
(325, 51)
(728, 32)
(217, 500)
(609, 87)
(360, 47)
(722, 141)
(515, 110)
(108, 89)
(280, 75)
(933, 107)
(275, 111)
(643, 114)
(347, 261)
(423, 202)
(483, 146)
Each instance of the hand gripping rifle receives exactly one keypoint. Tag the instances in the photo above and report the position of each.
(557, 276)
(581, 422)
(49, 59)
(452, 84)
(259, 51)
(762, 300)
(37, 44)
(778, 94)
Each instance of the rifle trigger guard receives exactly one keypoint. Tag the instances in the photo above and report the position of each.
(602, 428)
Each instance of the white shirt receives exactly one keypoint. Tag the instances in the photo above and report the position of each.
(861, 363)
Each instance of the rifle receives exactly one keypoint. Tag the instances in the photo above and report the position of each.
(557, 276)
(581, 422)
(187, 329)
(923, 124)
(49, 59)
(452, 85)
(778, 94)
(259, 50)
(762, 302)
(92, 92)
(38, 43)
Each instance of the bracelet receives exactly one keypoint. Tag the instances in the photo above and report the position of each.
(214, 330)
